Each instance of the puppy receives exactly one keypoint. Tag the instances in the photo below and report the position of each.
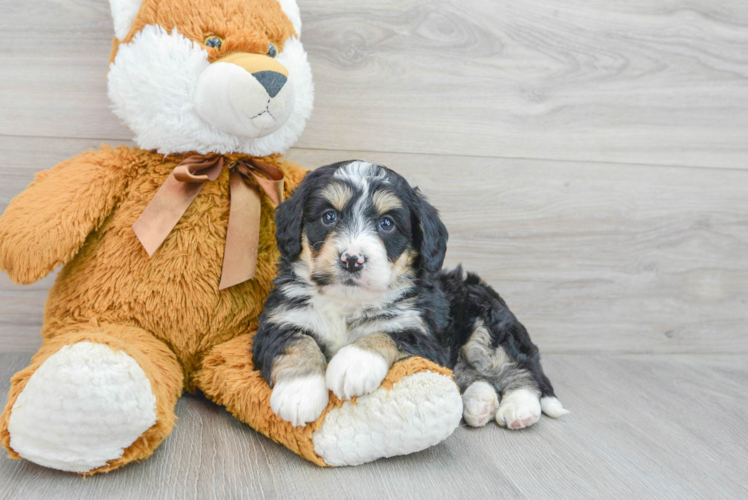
(360, 286)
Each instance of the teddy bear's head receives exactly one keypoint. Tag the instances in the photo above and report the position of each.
(219, 76)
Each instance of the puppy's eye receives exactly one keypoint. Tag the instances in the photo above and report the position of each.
(213, 42)
(329, 218)
(272, 50)
(386, 224)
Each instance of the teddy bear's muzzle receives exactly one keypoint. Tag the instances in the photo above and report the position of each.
(248, 95)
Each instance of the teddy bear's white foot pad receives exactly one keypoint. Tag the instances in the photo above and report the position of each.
(81, 409)
(419, 411)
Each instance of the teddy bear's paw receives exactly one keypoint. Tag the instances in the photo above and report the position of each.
(518, 409)
(81, 409)
(300, 400)
(417, 412)
(355, 372)
(479, 403)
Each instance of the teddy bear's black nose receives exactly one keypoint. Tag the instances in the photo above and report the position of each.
(271, 80)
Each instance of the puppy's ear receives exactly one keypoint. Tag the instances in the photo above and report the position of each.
(289, 216)
(430, 235)
(288, 222)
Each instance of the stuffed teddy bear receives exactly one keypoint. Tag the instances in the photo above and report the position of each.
(168, 251)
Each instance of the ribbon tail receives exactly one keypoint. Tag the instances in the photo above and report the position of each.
(242, 234)
(273, 181)
(164, 211)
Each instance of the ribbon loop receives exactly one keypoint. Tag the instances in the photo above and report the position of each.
(243, 232)
(196, 169)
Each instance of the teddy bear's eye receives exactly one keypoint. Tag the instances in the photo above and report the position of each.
(213, 41)
(272, 50)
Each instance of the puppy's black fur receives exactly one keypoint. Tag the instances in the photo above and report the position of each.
(455, 308)
(471, 300)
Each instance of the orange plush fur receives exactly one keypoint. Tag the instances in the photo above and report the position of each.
(164, 311)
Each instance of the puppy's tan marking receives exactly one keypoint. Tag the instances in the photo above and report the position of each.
(326, 259)
(302, 359)
(403, 265)
(307, 256)
(385, 201)
(494, 363)
(382, 344)
(338, 194)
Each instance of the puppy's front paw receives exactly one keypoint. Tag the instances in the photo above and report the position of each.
(518, 409)
(300, 400)
(355, 372)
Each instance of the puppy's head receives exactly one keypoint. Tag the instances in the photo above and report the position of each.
(355, 225)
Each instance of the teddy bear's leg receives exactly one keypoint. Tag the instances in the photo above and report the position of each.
(418, 405)
(94, 398)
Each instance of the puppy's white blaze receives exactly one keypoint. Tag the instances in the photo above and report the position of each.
(358, 231)
(355, 372)
(360, 173)
(300, 400)
(553, 407)
(480, 402)
(518, 409)
(152, 85)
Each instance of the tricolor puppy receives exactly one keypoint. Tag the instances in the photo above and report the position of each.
(360, 286)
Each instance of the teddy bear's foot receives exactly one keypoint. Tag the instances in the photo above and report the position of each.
(82, 408)
(417, 405)
(419, 411)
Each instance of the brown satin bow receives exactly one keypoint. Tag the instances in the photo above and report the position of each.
(243, 233)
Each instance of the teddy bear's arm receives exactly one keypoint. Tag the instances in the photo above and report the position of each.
(46, 225)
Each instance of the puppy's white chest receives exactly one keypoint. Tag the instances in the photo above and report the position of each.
(334, 331)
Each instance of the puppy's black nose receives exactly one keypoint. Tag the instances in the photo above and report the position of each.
(352, 263)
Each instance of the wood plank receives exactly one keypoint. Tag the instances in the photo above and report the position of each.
(617, 258)
(583, 80)
(641, 427)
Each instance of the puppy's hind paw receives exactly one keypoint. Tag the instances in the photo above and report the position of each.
(300, 400)
(355, 372)
(479, 403)
(518, 409)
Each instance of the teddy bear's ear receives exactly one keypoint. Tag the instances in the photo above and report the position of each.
(123, 14)
(291, 9)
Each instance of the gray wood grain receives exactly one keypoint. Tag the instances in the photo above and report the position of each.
(641, 427)
(637, 82)
(618, 258)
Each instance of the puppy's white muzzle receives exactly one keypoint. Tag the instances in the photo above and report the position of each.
(248, 95)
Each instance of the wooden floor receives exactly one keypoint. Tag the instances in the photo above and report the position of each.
(680, 437)
(590, 159)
